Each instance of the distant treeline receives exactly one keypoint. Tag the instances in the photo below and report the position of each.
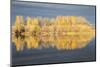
(63, 32)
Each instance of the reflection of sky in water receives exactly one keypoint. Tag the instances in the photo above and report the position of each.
(51, 55)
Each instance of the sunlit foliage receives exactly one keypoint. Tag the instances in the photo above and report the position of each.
(61, 32)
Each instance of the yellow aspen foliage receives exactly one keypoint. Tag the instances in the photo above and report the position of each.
(61, 32)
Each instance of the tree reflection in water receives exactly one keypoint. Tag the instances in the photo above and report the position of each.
(61, 32)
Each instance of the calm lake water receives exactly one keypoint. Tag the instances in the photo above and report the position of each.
(52, 55)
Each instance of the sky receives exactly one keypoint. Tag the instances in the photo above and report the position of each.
(51, 10)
